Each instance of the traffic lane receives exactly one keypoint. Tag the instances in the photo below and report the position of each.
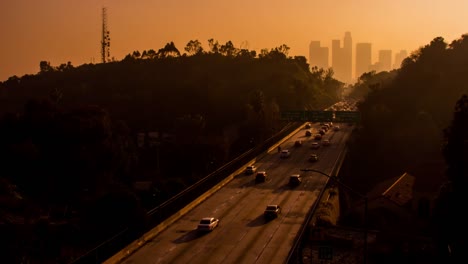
(181, 242)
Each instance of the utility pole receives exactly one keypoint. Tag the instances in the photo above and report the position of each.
(105, 41)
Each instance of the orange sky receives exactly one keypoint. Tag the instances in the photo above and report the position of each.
(59, 31)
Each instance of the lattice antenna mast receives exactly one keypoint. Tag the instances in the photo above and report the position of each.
(105, 41)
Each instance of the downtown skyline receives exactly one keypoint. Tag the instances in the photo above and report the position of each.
(61, 31)
(349, 60)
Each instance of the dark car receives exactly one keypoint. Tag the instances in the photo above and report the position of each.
(313, 157)
(272, 211)
(261, 176)
(295, 180)
(250, 169)
(298, 143)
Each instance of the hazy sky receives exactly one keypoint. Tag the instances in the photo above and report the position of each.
(59, 31)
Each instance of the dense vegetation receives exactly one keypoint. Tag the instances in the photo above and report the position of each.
(73, 140)
(409, 124)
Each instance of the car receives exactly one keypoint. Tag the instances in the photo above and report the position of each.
(298, 143)
(272, 211)
(307, 126)
(308, 133)
(285, 154)
(261, 176)
(313, 157)
(295, 179)
(322, 132)
(326, 142)
(250, 169)
(315, 145)
(336, 128)
(207, 224)
(318, 137)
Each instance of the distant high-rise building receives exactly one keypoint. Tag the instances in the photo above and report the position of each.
(348, 57)
(375, 67)
(363, 58)
(399, 57)
(342, 58)
(385, 60)
(336, 55)
(318, 56)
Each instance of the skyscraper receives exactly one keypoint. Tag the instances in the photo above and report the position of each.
(363, 58)
(342, 58)
(336, 56)
(348, 57)
(318, 56)
(399, 57)
(385, 60)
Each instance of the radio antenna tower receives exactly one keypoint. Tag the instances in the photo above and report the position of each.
(105, 41)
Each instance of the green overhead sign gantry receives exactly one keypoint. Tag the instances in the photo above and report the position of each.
(322, 116)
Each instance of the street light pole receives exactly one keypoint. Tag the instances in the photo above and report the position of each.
(335, 178)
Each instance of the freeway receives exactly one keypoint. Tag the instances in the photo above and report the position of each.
(243, 235)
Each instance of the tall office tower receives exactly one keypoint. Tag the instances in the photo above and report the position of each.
(318, 56)
(399, 57)
(375, 67)
(336, 57)
(385, 60)
(348, 57)
(363, 58)
(342, 59)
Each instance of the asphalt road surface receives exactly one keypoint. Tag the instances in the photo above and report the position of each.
(244, 236)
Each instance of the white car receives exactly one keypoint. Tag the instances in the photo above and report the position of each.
(315, 145)
(208, 224)
(285, 154)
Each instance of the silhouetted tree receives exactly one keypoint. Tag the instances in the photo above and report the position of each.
(136, 54)
(44, 66)
(456, 148)
(214, 45)
(302, 62)
(194, 47)
(228, 49)
(244, 53)
(64, 67)
(451, 229)
(151, 54)
(169, 50)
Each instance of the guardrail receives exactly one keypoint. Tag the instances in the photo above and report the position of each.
(158, 214)
(295, 254)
